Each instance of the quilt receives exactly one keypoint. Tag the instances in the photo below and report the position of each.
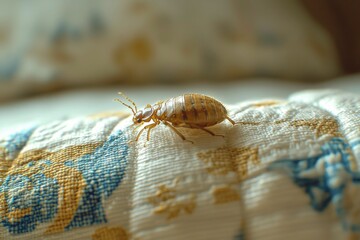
(287, 169)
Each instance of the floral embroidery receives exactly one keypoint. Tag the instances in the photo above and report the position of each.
(111, 233)
(225, 194)
(223, 161)
(328, 178)
(166, 202)
(65, 188)
(319, 126)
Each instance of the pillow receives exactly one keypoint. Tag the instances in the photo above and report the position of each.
(289, 168)
(60, 44)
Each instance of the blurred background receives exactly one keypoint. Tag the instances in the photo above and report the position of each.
(62, 58)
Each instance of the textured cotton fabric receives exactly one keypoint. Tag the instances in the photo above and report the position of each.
(288, 169)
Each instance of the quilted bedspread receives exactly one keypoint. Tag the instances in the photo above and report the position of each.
(288, 169)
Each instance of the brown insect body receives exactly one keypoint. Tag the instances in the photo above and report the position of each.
(188, 110)
(192, 110)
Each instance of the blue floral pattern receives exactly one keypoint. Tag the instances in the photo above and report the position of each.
(326, 176)
(35, 192)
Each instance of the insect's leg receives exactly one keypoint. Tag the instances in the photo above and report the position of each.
(138, 136)
(207, 130)
(133, 130)
(139, 125)
(151, 126)
(177, 132)
(144, 128)
(230, 120)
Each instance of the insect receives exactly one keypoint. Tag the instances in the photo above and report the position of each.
(189, 110)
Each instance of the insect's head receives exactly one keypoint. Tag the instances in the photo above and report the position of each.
(137, 114)
(140, 116)
(143, 115)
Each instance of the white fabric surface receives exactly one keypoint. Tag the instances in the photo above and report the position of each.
(74, 103)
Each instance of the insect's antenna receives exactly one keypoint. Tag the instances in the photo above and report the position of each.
(118, 100)
(127, 98)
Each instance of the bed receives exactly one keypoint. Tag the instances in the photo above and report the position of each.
(70, 167)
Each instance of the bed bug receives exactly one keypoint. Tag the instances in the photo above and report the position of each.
(189, 110)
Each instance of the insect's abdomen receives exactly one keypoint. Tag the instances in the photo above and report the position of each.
(192, 109)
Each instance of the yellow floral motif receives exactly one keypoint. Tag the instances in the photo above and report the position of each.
(166, 202)
(68, 178)
(4, 35)
(225, 194)
(223, 161)
(3, 205)
(17, 214)
(4, 167)
(113, 233)
(2, 153)
(14, 215)
(226, 160)
(139, 7)
(4, 163)
(353, 236)
(70, 181)
(139, 48)
(66, 154)
(351, 203)
(319, 126)
(133, 53)
(250, 123)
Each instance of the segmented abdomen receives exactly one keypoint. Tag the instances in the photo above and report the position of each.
(192, 110)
